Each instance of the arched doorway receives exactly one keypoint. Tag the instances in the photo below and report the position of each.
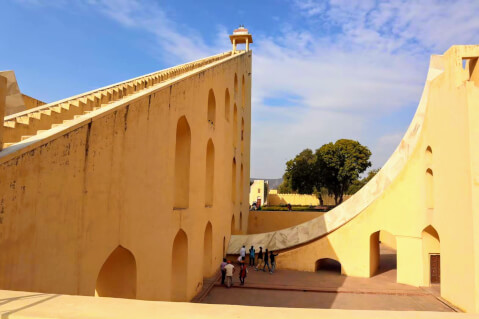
(117, 276)
(382, 253)
(207, 250)
(328, 265)
(241, 222)
(431, 256)
(179, 267)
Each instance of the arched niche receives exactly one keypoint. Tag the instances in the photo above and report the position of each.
(233, 181)
(428, 155)
(242, 135)
(182, 164)
(207, 250)
(243, 90)
(117, 276)
(241, 184)
(236, 85)
(209, 174)
(233, 225)
(241, 222)
(179, 267)
(429, 188)
(235, 124)
(227, 104)
(328, 265)
(211, 107)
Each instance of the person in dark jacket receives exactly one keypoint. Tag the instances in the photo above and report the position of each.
(266, 261)
(272, 256)
(260, 258)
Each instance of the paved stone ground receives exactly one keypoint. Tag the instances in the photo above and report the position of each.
(326, 289)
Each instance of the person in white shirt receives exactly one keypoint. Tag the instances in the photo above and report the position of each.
(243, 251)
(230, 269)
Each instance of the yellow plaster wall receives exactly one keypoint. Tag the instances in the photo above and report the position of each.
(275, 199)
(31, 102)
(73, 194)
(265, 221)
(396, 200)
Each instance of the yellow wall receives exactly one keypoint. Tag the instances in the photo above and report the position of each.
(74, 194)
(275, 199)
(430, 183)
(31, 102)
(257, 192)
(264, 221)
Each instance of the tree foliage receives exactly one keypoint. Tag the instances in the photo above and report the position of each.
(358, 184)
(334, 166)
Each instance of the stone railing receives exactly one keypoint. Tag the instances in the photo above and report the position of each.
(23, 125)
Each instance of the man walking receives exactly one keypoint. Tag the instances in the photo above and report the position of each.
(243, 252)
(230, 269)
(266, 261)
(251, 256)
(273, 261)
(260, 258)
(223, 271)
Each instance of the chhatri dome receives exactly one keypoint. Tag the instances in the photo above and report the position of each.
(241, 35)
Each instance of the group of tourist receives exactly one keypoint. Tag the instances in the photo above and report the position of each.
(259, 261)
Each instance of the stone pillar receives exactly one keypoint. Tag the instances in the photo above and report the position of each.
(3, 102)
(247, 45)
(410, 265)
(234, 46)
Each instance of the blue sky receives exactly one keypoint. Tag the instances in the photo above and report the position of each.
(322, 70)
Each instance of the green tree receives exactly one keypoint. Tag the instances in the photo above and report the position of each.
(340, 164)
(285, 186)
(358, 184)
(301, 174)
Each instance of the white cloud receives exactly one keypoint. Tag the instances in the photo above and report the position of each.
(348, 66)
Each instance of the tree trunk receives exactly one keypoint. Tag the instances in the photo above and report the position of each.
(321, 201)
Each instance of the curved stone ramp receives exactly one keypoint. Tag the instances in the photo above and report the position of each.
(339, 216)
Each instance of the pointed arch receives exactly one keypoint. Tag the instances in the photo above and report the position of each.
(233, 181)
(207, 250)
(211, 107)
(429, 188)
(235, 124)
(227, 104)
(241, 184)
(242, 134)
(243, 92)
(428, 155)
(241, 222)
(117, 276)
(236, 85)
(233, 225)
(179, 267)
(209, 174)
(182, 164)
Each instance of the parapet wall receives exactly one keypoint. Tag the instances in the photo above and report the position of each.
(265, 221)
(276, 199)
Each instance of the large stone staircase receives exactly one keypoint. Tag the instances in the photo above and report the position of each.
(23, 125)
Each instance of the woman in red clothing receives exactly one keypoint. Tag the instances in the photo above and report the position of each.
(243, 271)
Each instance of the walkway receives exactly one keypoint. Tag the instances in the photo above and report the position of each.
(326, 289)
